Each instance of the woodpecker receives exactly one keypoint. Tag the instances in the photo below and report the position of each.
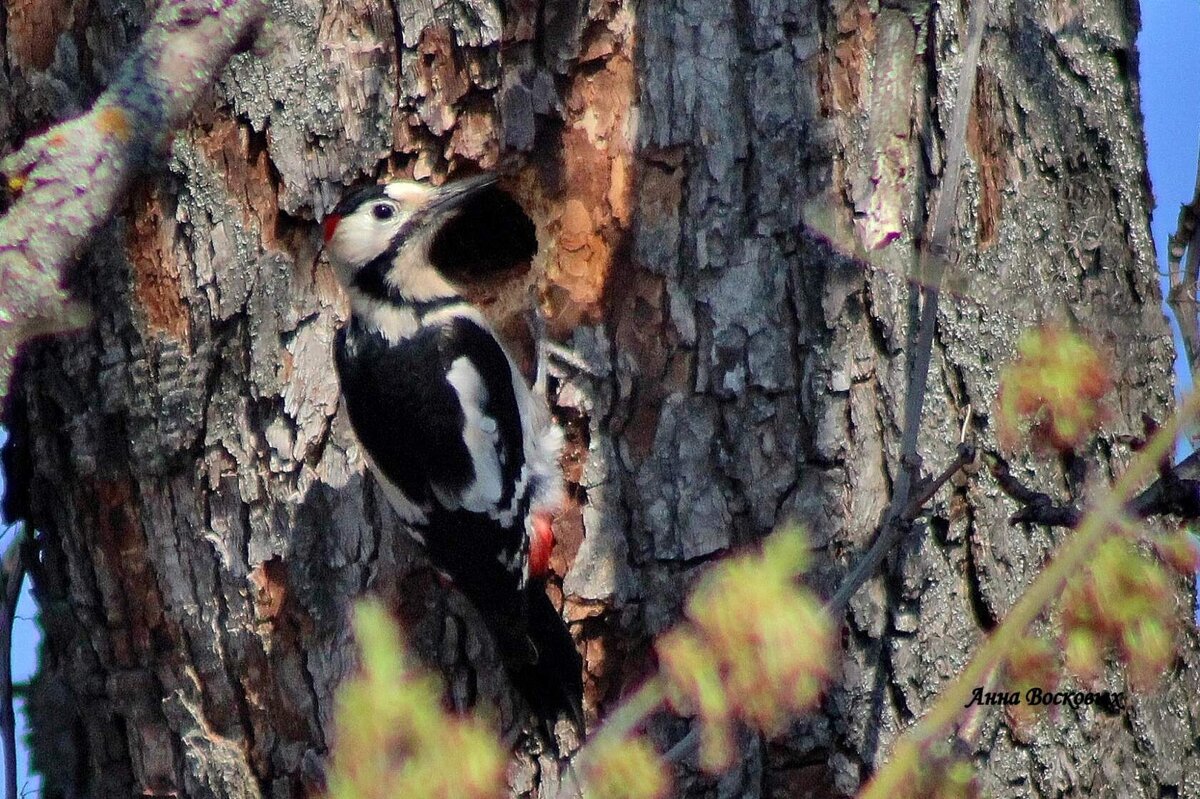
(464, 451)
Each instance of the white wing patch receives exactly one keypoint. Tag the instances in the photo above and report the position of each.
(483, 443)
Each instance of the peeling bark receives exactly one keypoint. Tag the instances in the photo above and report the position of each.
(694, 169)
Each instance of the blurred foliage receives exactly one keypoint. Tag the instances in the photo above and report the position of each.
(1115, 598)
(1122, 601)
(627, 769)
(939, 774)
(1180, 551)
(392, 736)
(1032, 663)
(1054, 388)
(756, 647)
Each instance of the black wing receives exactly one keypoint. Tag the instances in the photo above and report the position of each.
(423, 407)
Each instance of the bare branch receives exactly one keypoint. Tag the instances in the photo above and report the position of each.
(1185, 275)
(1036, 507)
(1175, 493)
(898, 518)
(689, 743)
(934, 255)
(67, 182)
(892, 530)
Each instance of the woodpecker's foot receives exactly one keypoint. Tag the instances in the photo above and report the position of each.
(567, 360)
(567, 357)
(537, 328)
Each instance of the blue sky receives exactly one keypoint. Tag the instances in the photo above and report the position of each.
(1169, 44)
(24, 659)
(25, 641)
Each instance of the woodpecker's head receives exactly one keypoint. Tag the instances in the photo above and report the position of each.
(381, 240)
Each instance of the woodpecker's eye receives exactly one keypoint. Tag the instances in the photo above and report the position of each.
(383, 211)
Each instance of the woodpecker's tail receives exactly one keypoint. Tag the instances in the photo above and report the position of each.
(549, 672)
(532, 640)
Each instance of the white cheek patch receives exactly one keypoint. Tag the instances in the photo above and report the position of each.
(360, 237)
(412, 275)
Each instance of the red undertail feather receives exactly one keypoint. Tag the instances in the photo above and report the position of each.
(541, 544)
(330, 225)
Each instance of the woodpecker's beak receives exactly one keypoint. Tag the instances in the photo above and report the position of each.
(452, 195)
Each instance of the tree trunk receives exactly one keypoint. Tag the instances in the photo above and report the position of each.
(696, 171)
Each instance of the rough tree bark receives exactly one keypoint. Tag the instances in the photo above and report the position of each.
(695, 170)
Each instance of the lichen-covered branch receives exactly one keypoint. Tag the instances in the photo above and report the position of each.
(66, 182)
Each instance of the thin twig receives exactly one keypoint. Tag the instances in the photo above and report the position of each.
(928, 488)
(862, 570)
(937, 251)
(891, 532)
(932, 270)
(685, 747)
(632, 712)
(904, 507)
(1184, 275)
(1036, 507)
(1175, 493)
(629, 715)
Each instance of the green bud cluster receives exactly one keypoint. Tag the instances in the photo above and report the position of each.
(393, 738)
(1122, 601)
(1056, 385)
(756, 647)
(628, 769)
